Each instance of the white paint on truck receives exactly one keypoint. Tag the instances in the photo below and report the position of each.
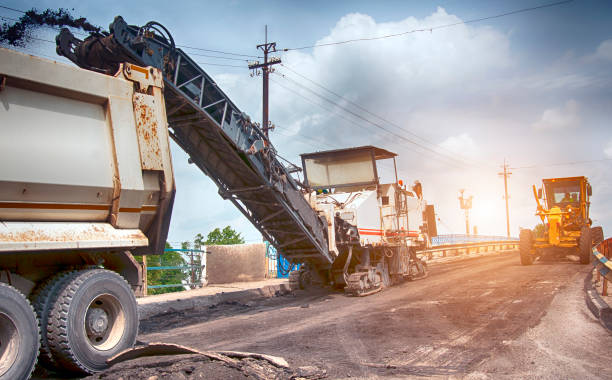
(81, 152)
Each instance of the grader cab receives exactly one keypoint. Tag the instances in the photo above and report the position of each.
(563, 206)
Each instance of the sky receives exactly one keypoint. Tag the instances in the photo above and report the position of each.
(533, 88)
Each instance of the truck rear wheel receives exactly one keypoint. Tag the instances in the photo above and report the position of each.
(597, 235)
(526, 242)
(18, 335)
(93, 318)
(585, 245)
(43, 299)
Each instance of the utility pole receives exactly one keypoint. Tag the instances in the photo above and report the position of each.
(505, 174)
(466, 205)
(267, 47)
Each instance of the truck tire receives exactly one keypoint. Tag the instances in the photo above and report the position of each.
(18, 335)
(43, 298)
(585, 245)
(597, 235)
(526, 242)
(93, 318)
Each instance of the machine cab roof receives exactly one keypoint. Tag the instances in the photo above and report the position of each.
(344, 167)
(566, 191)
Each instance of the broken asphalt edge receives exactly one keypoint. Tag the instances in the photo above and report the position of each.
(600, 309)
(147, 311)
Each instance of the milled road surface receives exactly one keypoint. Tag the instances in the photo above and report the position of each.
(485, 317)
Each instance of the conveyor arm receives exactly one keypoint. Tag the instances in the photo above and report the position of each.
(219, 138)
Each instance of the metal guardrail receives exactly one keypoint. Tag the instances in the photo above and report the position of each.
(462, 238)
(191, 268)
(603, 253)
(465, 248)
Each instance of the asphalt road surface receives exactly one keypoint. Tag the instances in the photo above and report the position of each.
(479, 318)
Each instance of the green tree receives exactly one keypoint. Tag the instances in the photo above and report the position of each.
(221, 237)
(198, 241)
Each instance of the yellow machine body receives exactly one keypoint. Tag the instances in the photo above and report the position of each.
(565, 211)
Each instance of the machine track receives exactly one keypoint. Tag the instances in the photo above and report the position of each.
(361, 284)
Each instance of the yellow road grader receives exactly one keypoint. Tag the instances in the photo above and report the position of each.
(565, 215)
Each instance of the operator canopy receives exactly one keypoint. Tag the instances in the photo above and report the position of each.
(343, 167)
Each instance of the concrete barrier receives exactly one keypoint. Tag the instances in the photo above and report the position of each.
(235, 263)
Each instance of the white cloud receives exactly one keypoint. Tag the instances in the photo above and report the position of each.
(604, 51)
(433, 59)
(559, 117)
(393, 78)
(228, 80)
(562, 81)
(608, 149)
(462, 145)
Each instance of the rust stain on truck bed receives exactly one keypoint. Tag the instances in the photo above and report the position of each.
(148, 134)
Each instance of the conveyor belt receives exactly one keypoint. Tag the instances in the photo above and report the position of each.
(218, 138)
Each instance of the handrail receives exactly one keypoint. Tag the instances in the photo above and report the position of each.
(463, 238)
(603, 264)
(450, 247)
(467, 247)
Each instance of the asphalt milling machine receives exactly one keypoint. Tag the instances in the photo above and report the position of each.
(566, 224)
(346, 228)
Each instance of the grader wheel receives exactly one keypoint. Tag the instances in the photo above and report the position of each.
(585, 245)
(526, 242)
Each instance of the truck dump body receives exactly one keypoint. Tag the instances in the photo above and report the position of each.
(75, 170)
(219, 138)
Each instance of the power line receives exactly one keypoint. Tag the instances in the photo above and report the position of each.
(42, 39)
(453, 159)
(183, 46)
(562, 164)
(200, 63)
(220, 64)
(218, 57)
(330, 110)
(328, 146)
(219, 51)
(12, 9)
(353, 122)
(431, 29)
(318, 141)
(373, 114)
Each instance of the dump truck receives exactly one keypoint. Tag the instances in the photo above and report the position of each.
(565, 217)
(87, 183)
